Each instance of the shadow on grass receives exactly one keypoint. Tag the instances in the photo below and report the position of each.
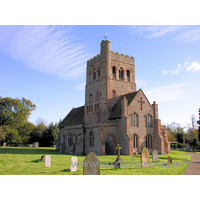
(65, 170)
(36, 161)
(17, 150)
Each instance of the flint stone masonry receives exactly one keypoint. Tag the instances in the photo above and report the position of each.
(91, 165)
(144, 157)
(111, 98)
(73, 167)
(155, 155)
(47, 161)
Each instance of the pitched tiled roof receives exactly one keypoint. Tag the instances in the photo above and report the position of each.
(75, 116)
(117, 108)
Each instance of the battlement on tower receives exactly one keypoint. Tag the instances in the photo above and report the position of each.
(122, 57)
(93, 60)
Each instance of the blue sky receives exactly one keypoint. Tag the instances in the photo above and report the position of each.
(46, 64)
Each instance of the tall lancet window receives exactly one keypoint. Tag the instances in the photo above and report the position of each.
(91, 139)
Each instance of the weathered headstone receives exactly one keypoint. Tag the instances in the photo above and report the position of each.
(73, 167)
(30, 145)
(36, 144)
(118, 159)
(43, 158)
(188, 147)
(144, 157)
(54, 146)
(4, 144)
(47, 161)
(91, 165)
(155, 155)
(169, 160)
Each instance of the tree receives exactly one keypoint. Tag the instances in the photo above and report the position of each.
(12, 135)
(2, 134)
(49, 136)
(15, 112)
(36, 133)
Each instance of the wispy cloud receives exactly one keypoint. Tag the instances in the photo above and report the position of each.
(190, 35)
(49, 49)
(154, 30)
(141, 83)
(194, 66)
(168, 93)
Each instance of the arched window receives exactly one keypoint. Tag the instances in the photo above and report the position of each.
(94, 74)
(91, 139)
(89, 77)
(99, 72)
(135, 141)
(148, 121)
(97, 96)
(114, 72)
(134, 119)
(149, 141)
(90, 98)
(128, 76)
(121, 73)
(114, 94)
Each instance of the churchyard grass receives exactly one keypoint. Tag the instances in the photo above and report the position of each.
(26, 161)
(198, 153)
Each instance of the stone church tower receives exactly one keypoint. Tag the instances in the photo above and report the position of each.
(114, 111)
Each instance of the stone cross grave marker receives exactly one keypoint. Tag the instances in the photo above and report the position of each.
(91, 164)
(169, 160)
(47, 161)
(188, 147)
(144, 157)
(73, 167)
(155, 155)
(4, 144)
(118, 159)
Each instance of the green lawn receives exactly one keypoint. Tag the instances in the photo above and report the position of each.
(26, 161)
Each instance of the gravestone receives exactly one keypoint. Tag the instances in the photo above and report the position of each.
(4, 144)
(30, 145)
(118, 159)
(188, 147)
(169, 160)
(54, 146)
(144, 157)
(73, 167)
(47, 161)
(36, 144)
(43, 158)
(91, 165)
(155, 155)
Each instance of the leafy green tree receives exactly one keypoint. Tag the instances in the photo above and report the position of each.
(36, 133)
(12, 135)
(25, 132)
(15, 112)
(49, 136)
(2, 134)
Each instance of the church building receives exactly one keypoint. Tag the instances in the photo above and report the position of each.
(115, 112)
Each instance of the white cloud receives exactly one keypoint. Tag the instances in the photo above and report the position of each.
(168, 93)
(165, 72)
(48, 49)
(155, 30)
(195, 66)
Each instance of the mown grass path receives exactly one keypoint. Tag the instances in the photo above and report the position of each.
(26, 161)
(194, 169)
